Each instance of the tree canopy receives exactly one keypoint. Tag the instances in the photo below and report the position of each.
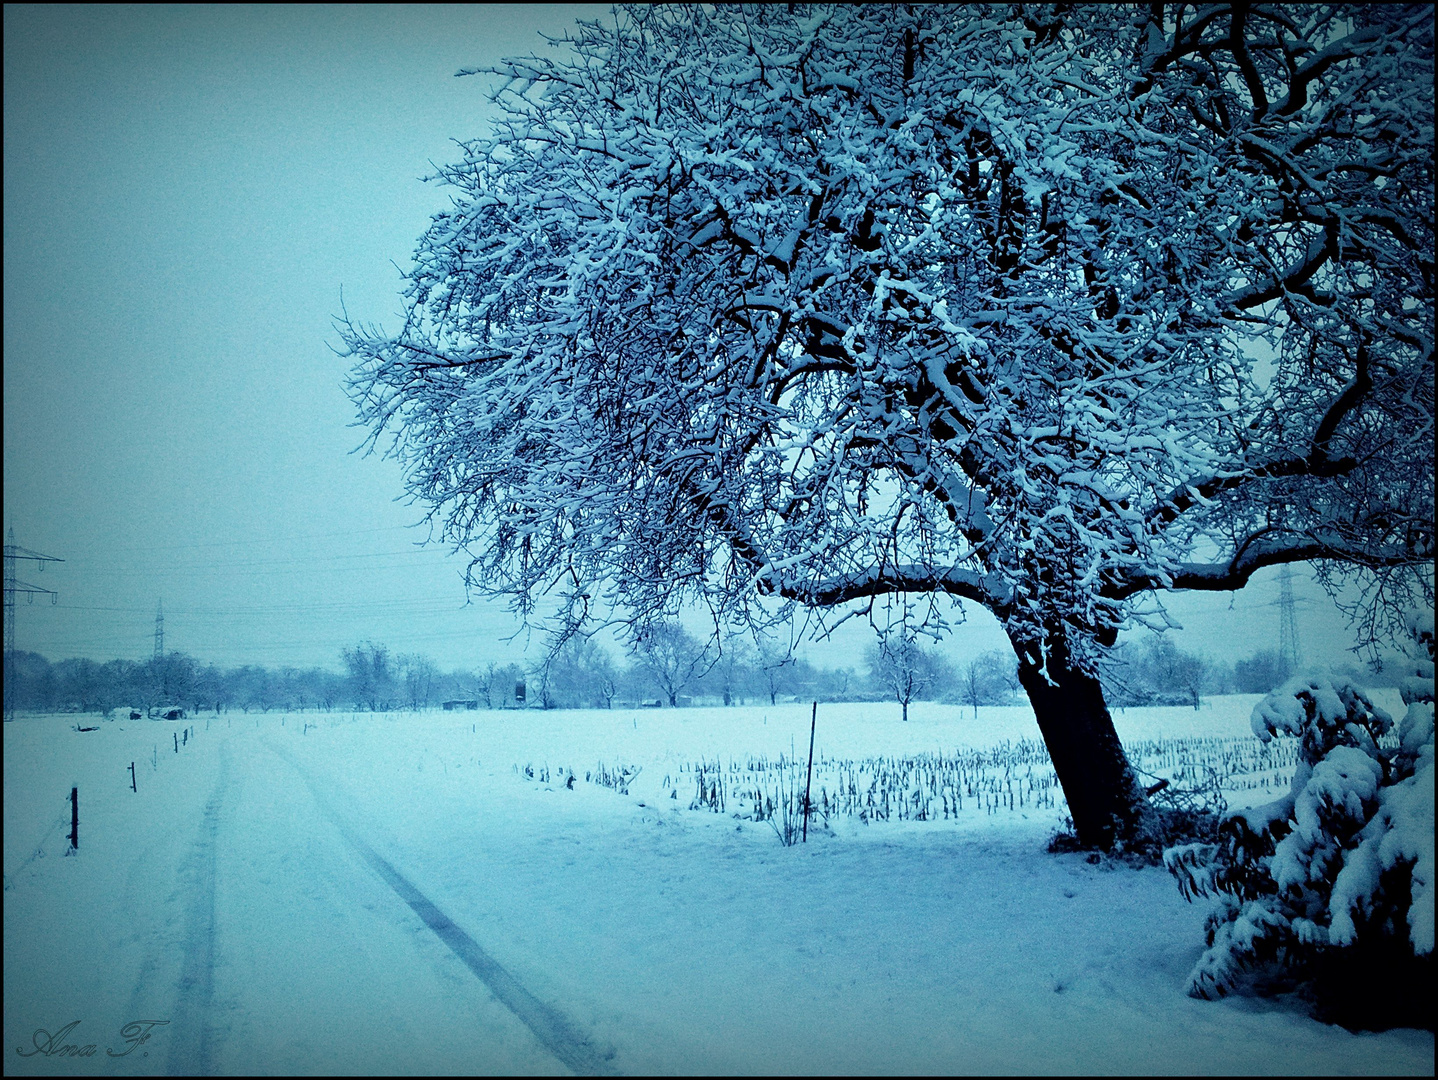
(1048, 308)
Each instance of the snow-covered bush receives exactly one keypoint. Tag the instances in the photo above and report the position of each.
(1333, 883)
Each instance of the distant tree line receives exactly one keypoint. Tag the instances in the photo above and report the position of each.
(85, 685)
(1155, 671)
(372, 678)
(667, 667)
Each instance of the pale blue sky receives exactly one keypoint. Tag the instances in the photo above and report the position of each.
(187, 191)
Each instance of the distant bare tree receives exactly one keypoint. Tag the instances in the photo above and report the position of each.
(603, 675)
(670, 657)
(487, 683)
(904, 668)
(990, 679)
(775, 663)
(371, 675)
(734, 668)
(841, 682)
(1261, 672)
(579, 674)
(1156, 671)
(419, 674)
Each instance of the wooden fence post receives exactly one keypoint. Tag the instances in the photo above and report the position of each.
(813, 719)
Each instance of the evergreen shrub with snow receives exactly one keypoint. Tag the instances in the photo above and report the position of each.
(1331, 886)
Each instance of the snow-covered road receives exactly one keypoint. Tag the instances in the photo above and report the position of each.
(548, 1025)
(323, 967)
(191, 1049)
(251, 927)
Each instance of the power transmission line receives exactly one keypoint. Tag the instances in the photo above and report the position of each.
(1288, 646)
(13, 553)
(307, 563)
(260, 540)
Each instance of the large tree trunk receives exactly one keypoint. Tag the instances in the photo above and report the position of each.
(1105, 798)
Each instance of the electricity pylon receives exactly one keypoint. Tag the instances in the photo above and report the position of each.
(13, 553)
(160, 631)
(1288, 622)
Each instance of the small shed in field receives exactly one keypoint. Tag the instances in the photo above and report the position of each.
(462, 703)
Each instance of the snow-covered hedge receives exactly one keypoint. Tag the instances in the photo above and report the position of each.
(1334, 881)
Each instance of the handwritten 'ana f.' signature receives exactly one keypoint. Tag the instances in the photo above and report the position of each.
(53, 1044)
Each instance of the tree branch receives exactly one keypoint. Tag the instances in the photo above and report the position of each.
(1319, 252)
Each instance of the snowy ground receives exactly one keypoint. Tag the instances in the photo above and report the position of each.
(340, 893)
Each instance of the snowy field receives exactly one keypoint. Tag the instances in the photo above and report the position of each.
(427, 893)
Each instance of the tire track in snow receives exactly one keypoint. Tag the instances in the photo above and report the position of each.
(191, 1045)
(553, 1030)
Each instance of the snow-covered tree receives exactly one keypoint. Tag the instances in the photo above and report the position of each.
(419, 674)
(172, 679)
(371, 675)
(501, 685)
(490, 682)
(1045, 308)
(904, 668)
(733, 672)
(1155, 671)
(670, 658)
(579, 674)
(774, 664)
(1335, 880)
(988, 679)
(1261, 672)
